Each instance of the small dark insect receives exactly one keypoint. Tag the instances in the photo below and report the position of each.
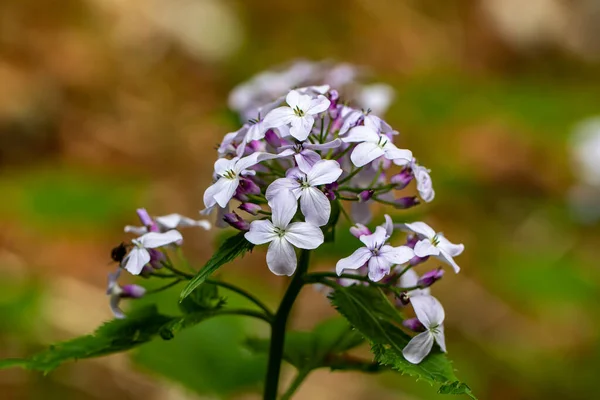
(118, 253)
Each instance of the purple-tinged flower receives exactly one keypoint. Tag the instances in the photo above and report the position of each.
(414, 325)
(365, 195)
(406, 202)
(429, 278)
(424, 184)
(236, 221)
(433, 244)
(139, 255)
(247, 186)
(250, 208)
(359, 230)
(430, 314)
(379, 256)
(283, 235)
(402, 179)
(117, 293)
(330, 189)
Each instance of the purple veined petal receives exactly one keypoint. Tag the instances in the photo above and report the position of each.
(420, 228)
(388, 225)
(440, 337)
(445, 257)
(153, 240)
(281, 257)
(279, 117)
(324, 172)
(448, 247)
(378, 268)
(418, 348)
(376, 239)
(280, 184)
(425, 248)
(293, 98)
(136, 259)
(224, 191)
(318, 105)
(301, 127)
(428, 310)
(354, 261)
(361, 212)
(304, 235)
(397, 255)
(261, 232)
(361, 134)
(365, 152)
(315, 206)
(283, 206)
(334, 144)
(222, 165)
(306, 159)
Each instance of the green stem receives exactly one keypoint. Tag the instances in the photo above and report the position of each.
(244, 293)
(278, 327)
(321, 277)
(174, 270)
(167, 286)
(300, 377)
(247, 313)
(352, 174)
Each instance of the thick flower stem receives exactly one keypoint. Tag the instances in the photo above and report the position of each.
(278, 327)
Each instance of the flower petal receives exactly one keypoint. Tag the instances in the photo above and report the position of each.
(306, 159)
(281, 257)
(354, 261)
(285, 184)
(378, 268)
(114, 301)
(420, 228)
(261, 232)
(448, 247)
(429, 311)
(408, 279)
(152, 240)
(315, 206)
(388, 225)
(418, 347)
(365, 152)
(301, 127)
(324, 172)
(376, 239)
(440, 338)
(361, 134)
(425, 248)
(397, 255)
(400, 156)
(304, 235)
(318, 105)
(283, 206)
(278, 117)
(136, 259)
(361, 212)
(445, 257)
(224, 190)
(293, 98)
(172, 221)
(222, 165)
(334, 144)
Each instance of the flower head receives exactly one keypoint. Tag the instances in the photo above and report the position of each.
(139, 255)
(430, 314)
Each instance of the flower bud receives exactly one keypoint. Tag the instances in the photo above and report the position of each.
(236, 221)
(156, 258)
(416, 260)
(146, 220)
(411, 241)
(430, 277)
(330, 190)
(406, 202)
(414, 325)
(132, 291)
(250, 208)
(402, 179)
(247, 186)
(359, 230)
(272, 138)
(365, 195)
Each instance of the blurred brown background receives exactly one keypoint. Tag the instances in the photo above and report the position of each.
(108, 105)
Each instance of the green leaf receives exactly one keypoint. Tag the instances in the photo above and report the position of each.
(228, 251)
(115, 336)
(371, 313)
(205, 297)
(320, 348)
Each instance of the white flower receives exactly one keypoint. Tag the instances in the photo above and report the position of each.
(139, 256)
(228, 177)
(430, 313)
(379, 256)
(411, 279)
(424, 184)
(299, 114)
(374, 145)
(314, 204)
(434, 244)
(283, 235)
(168, 222)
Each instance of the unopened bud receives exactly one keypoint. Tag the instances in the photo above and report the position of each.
(365, 195)
(416, 260)
(414, 325)
(402, 179)
(156, 258)
(411, 241)
(236, 221)
(272, 138)
(359, 230)
(430, 277)
(146, 220)
(133, 291)
(330, 190)
(406, 202)
(247, 186)
(250, 208)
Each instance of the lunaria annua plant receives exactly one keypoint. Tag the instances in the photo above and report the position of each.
(310, 155)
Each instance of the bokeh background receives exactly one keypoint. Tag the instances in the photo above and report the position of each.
(108, 105)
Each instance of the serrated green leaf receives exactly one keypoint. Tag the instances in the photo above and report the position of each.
(230, 249)
(205, 297)
(371, 313)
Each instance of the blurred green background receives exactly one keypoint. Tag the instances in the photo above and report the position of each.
(107, 105)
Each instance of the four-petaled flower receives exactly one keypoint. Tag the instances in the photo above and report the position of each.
(430, 314)
(314, 204)
(298, 114)
(283, 235)
(139, 255)
(433, 244)
(379, 256)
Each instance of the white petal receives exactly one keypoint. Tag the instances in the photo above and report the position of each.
(445, 257)
(424, 184)
(261, 232)
(114, 306)
(420, 228)
(418, 347)
(278, 117)
(213, 190)
(152, 240)
(281, 257)
(136, 259)
(397, 255)
(361, 134)
(334, 144)
(224, 190)
(365, 152)
(283, 206)
(315, 206)
(301, 127)
(378, 268)
(448, 247)
(222, 165)
(354, 261)
(136, 230)
(304, 235)
(425, 248)
(408, 279)
(376, 239)
(429, 311)
(172, 221)
(292, 98)
(306, 159)
(388, 225)
(324, 172)
(401, 155)
(318, 105)
(286, 184)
